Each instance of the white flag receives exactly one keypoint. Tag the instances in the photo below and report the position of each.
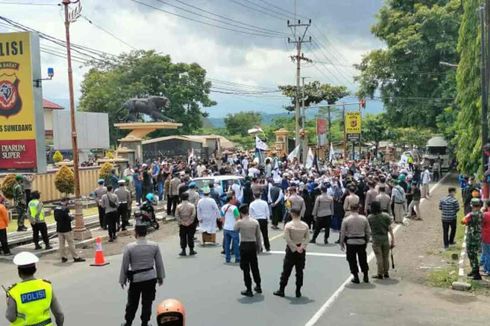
(309, 159)
(294, 154)
(191, 157)
(331, 155)
(260, 144)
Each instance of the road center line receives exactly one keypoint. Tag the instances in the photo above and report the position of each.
(316, 317)
(322, 254)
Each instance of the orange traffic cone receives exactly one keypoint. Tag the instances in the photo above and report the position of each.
(99, 254)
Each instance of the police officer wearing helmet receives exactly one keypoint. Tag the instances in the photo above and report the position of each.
(29, 301)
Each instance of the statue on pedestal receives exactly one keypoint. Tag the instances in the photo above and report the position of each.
(153, 106)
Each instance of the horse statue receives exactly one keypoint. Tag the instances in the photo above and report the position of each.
(153, 106)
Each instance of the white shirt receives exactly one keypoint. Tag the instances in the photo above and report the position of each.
(259, 210)
(228, 212)
(426, 177)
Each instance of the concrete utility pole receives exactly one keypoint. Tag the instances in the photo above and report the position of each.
(80, 232)
(485, 40)
(298, 40)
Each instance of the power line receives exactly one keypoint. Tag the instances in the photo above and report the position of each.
(108, 32)
(341, 74)
(258, 10)
(203, 22)
(288, 14)
(253, 29)
(226, 18)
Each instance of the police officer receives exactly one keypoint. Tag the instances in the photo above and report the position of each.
(186, 217)
(20, 202)
(38, 221)
(124, 198)
(29, 301)
(297, 235)
(250, 245)
(473, 221)
(99, 192)
(142, 267)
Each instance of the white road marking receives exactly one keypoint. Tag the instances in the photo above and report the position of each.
(316, 317)
(322, 254)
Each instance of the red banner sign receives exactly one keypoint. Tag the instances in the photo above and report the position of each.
(17, 154)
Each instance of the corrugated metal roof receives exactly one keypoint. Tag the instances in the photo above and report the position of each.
(48, 105)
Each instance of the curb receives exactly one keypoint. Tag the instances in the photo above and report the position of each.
(461, 284)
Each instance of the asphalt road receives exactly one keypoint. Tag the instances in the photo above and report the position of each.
(209, 288)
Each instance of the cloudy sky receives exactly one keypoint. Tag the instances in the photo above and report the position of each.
(249, 51)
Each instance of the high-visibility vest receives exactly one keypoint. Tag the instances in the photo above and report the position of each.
(33, 210)
(33, 300)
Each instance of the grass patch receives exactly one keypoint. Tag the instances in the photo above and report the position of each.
(50, 218)
(443, 277)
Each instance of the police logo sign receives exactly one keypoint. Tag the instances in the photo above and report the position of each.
(10, 101)
(33, 296)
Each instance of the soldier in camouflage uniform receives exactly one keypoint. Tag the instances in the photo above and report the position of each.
(473, 238)
(20, 202)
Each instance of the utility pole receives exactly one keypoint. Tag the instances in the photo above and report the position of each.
(329, 130)
(345, 135)
(80, 232)
(298, 40)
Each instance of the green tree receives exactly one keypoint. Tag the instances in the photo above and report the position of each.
(57, 157)
(64, 180)
(141, 73)
(468, 130)
(374, 129)
(413, 86)
(239, 123)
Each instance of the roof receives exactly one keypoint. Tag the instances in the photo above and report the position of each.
(437, 141)
(48, 105)
(159, 139)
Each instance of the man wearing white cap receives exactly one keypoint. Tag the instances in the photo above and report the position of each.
(29, 301)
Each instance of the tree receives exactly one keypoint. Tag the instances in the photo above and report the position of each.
(7, 187)
(239, 123)
(57, 157)
(141, 73)
(374, 129)
(412, 84)
(64, 180)
(314, 93)
(468, 129)
(106, 171)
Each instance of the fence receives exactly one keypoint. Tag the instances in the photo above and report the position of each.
(44, 183)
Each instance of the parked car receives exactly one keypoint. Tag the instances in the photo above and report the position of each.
(225, 181)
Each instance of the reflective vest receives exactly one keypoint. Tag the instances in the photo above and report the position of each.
(33, 299)
(33, 210)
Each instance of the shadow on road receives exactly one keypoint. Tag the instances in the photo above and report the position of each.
(247, 300)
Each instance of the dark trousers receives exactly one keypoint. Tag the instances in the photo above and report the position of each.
(111, 220)
(355, 252)
(448, 237)
(4, 242)
(146, 290)
(249, 262)
(21, 215)
(174, 201)
(169, 205)
(276, 214)
(123, 215)
(40, 228)
(320, 223)
(102, 222)
(186, 234)
(296, 260)
(265, 233)
(28, 195)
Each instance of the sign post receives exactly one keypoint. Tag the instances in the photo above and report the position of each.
(353, 127)
(22, 146)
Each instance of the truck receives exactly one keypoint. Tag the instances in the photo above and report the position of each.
(437, 149)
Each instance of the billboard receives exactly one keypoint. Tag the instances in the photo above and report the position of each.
(353, 125)
(22, 145)
(92, 130)
(321, 131)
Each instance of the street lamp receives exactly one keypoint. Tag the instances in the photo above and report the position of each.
(80, 232)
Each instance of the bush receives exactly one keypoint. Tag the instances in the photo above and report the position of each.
(109, 155)
(57, 157)
(64, 180)
(105, 170)
(7, 187)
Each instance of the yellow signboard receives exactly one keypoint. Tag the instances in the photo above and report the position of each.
(18, 148)
(353, 123)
